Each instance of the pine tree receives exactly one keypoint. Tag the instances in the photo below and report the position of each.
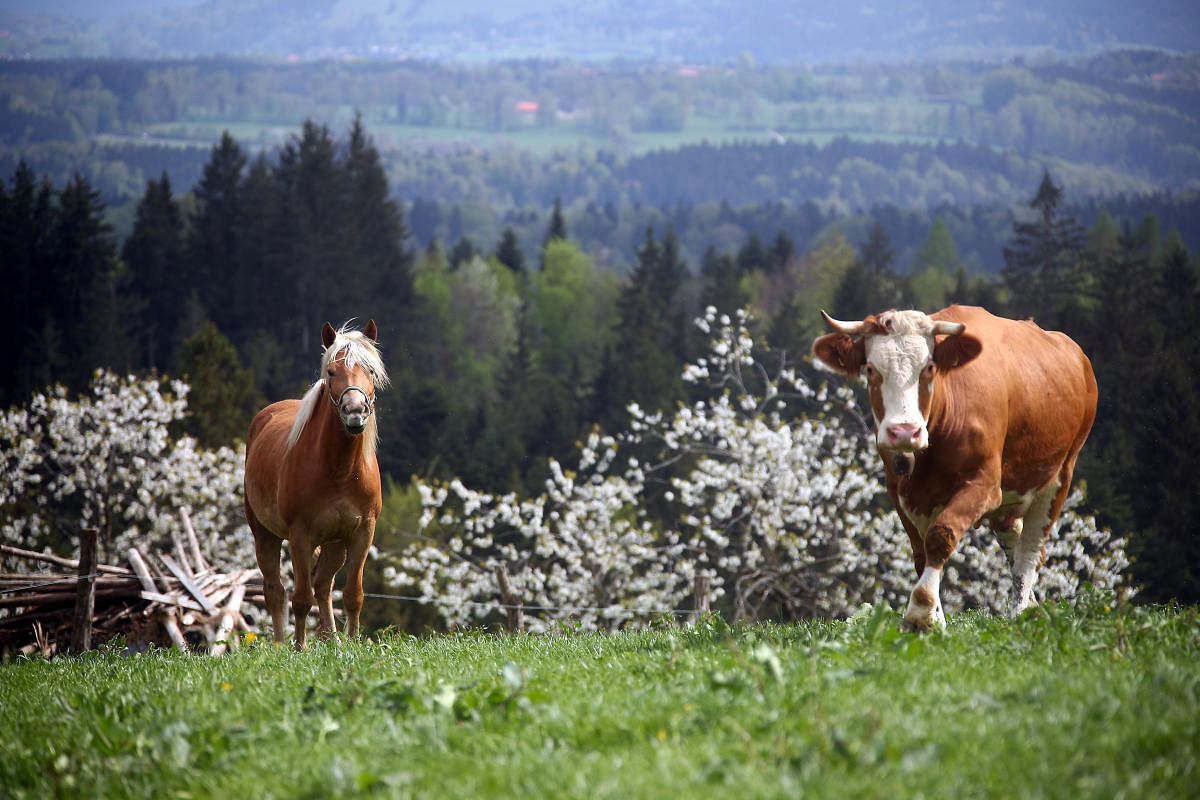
(26, 224)
(211, 266)
(373, 236)
(153, 253)
(557, 229)
(87, 308)
(1043, 268)
(1162, 483)
(508, 251)
(722, 288)
(223, 398)
(641, 364)
(751, 256)
(870, 286)
(780, 252)
(935, 269)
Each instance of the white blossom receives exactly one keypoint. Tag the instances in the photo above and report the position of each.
(108, 461)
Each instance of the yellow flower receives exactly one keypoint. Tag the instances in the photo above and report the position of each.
(226, 685)
(251, 637)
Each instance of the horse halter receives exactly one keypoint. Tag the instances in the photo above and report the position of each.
(337, 402)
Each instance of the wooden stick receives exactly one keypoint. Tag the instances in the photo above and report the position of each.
(169, 622)
(61, 598)
(59, 560)
(188, 584)
(85, 598)
(181, 553)
(171, 600)
(197, 556)
(516, 614)
(225, 638)
(139, 567)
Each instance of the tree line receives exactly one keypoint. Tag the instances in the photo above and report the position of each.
(503, 354)
(919, 135)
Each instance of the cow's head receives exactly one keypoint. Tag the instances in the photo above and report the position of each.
(900, 353)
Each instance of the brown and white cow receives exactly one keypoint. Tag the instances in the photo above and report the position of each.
(977, 418)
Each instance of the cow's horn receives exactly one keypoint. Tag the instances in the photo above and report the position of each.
(849, 328)
(946, 328)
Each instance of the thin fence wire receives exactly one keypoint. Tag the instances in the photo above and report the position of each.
(567, 609)
(72, 579)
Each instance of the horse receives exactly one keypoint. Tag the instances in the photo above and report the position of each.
(312, 478)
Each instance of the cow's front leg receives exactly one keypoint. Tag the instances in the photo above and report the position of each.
(924, 611)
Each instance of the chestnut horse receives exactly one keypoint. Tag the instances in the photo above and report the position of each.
(312, 478)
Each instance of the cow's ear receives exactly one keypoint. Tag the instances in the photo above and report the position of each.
(954, 351)
(328, 334)
(841, 353)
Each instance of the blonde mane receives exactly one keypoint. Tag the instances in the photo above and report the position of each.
(358, 350)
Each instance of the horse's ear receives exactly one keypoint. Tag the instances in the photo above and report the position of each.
(328, 334)
(371, 332)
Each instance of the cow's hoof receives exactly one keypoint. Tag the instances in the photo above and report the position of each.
(923, 620)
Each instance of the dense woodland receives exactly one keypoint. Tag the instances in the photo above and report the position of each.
(503, 353)
(715, 151)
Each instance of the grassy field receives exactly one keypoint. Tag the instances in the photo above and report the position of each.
(1090, 699)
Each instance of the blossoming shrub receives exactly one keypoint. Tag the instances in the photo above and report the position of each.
(767, 486)
(109, 462)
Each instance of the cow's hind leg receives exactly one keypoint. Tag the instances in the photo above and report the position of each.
(1030, 550)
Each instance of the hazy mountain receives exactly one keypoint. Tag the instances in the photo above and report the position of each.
(674, 30)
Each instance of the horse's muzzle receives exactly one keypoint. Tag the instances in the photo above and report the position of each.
(353, 411)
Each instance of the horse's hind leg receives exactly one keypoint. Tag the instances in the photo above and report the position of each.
(352, 593)
(333, 555)
(302, 592)
(266, 548)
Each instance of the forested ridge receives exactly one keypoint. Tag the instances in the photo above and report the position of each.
(489, 145)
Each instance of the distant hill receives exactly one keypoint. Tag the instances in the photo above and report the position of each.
(768, 31)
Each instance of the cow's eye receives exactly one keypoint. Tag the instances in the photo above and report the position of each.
(869, 371)
(928, 371)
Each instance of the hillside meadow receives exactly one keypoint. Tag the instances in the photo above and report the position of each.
(1095, 698)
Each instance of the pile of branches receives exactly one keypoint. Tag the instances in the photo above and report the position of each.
(161, 598)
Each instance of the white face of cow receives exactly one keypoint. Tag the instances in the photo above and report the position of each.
(899, 355)
(899, 374)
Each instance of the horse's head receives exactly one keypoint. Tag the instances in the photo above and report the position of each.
(351, 371)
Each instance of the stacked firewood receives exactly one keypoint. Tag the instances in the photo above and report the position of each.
(157, 598)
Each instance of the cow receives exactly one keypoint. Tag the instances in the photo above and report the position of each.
(977, 419)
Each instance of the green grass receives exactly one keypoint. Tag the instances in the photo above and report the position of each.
(1086, 700)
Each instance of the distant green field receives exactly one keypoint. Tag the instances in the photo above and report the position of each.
(390, 136)
(1083, 700)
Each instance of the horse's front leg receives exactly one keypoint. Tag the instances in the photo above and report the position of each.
(302, 593)
(333, 555)
(352, 594)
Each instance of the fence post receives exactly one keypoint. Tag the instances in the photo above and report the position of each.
(700, 589)
(85, 593)
(516, 614)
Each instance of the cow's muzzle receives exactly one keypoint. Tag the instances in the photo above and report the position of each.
(906, 437)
